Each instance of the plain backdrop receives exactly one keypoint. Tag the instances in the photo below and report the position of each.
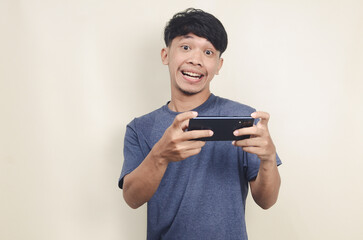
(74, 73)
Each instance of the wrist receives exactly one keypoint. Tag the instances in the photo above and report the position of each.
(157, 157)
(269, 160)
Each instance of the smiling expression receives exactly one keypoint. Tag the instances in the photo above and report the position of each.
(193, 62)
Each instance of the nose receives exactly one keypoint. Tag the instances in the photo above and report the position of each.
(196, 58)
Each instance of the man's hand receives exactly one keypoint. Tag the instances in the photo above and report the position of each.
(260, 142)
(265, 188)
(175, 145)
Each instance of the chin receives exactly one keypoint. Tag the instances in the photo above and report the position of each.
(190, 91)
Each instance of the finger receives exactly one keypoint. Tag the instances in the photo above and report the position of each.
(190, 145)
(249, 142)
(191, 152)
(247, 131)
(197, 134)
(254, 150)
(194, 146)
(187, 148)
(248, 146)
(264, 116)
(180, 118)
(185, 124)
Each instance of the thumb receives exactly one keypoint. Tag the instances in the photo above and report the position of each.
(182, 117)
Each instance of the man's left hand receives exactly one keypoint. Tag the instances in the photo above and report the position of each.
(260, 142)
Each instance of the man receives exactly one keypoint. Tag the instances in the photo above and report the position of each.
(194, 189)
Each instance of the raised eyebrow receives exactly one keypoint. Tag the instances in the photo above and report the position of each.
(210, 47)
(184, 37)
(187, 36)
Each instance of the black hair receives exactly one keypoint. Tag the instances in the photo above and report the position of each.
(200, 23)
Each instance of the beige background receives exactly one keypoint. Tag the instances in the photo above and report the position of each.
(74, 73)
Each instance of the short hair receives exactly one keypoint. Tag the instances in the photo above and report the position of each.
(200, 23)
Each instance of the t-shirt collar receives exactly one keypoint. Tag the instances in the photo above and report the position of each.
(200, 108)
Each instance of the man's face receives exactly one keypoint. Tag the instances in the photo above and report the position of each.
(193, 61)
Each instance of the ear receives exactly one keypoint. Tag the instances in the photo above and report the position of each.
(220, 65)
(164, 55)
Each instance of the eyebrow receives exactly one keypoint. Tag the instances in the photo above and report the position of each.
(187, 36)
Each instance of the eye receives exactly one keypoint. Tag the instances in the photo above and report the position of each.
(185, 47)
(209, 52)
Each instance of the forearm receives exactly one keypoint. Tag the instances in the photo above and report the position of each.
(175, 145)
(265, 188)
(141, 184)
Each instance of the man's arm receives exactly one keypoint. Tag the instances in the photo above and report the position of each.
(175, 145)
(265, 188)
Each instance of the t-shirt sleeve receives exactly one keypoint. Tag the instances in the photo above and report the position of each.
(252, 162)
(133, 154)
(252, 165)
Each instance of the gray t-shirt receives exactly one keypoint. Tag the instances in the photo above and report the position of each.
(203, 196)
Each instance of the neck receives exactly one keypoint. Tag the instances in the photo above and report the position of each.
(183, 103)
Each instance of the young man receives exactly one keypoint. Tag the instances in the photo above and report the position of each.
(195, 189)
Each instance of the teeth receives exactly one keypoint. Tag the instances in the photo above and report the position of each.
(191, 74)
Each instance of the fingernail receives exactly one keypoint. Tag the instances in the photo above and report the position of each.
(211, 133)
(235, 133)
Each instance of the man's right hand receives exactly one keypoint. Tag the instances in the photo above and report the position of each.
(175, 144)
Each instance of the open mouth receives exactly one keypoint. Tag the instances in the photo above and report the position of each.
(192, 75)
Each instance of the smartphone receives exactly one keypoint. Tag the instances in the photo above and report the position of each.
(223, 127)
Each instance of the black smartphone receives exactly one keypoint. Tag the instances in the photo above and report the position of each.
(223, 127)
